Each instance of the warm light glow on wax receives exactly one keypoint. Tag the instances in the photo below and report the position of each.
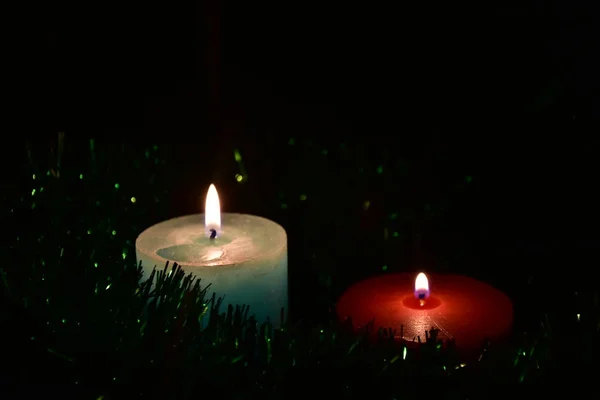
(421, 287)
(212, 210)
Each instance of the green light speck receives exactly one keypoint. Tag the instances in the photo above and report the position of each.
(80, 176)
(284, 206)
(133, 199)
(117, 186)
(303, 197)
(384, 268)
(237, 155)
(114, 233)
(95, 265)
(468, 179)
(239, 177)
(380, 169)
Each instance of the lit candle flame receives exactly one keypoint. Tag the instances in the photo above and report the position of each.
(421, 288)
(212, 210)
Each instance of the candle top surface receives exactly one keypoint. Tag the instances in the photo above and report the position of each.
(242, 237)
(462, 308)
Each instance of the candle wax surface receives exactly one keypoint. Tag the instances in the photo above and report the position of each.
(462, 308)
(246, 262)
(197, 248)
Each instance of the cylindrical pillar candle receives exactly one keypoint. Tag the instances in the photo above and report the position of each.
(243, 257)
(460, 307)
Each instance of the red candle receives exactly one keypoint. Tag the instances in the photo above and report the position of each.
(460, 307)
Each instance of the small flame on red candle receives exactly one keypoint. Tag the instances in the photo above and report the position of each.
(421, 288)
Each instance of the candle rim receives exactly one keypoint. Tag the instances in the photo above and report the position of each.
(153, 253)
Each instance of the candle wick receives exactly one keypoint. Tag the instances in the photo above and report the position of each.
(213, 233)
(421, 299)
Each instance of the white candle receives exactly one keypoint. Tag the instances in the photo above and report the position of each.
(246, 262)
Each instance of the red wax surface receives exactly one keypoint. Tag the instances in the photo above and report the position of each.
(462, 308)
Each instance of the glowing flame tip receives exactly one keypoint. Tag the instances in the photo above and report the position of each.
(421, 286)
(212, 210)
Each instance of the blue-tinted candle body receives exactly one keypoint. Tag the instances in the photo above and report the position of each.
(246, 263)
